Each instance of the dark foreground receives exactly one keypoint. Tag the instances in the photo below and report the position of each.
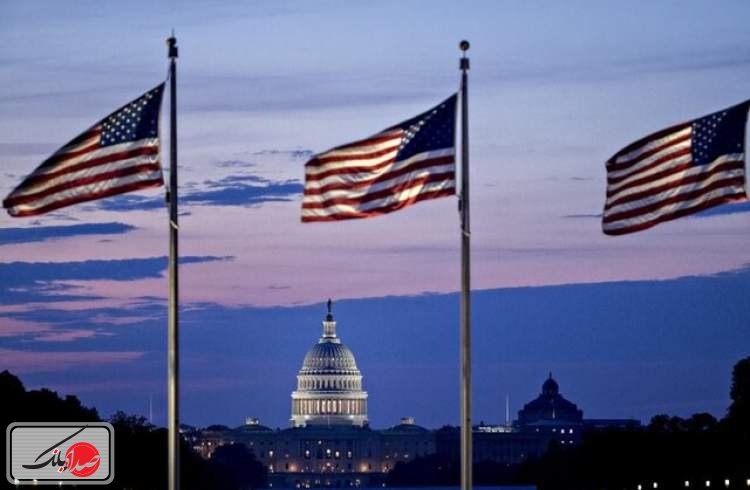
(668, 452)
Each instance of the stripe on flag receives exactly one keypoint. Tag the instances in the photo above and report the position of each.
(410, 162)
(676, 172)
(118, 154)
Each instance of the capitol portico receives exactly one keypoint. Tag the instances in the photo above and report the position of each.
(329, 385)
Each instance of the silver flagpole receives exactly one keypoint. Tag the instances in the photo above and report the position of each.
(173, 424)
(466, 450)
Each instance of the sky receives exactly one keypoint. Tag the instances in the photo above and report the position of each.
(630, 326)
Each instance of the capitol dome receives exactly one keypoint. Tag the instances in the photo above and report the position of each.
(329, 385)
(328, 357)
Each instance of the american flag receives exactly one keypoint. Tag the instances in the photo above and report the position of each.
(118, 154)
(410, 162)
(677, 171)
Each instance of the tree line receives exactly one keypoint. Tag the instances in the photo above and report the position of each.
(140, 447)
(669, 451)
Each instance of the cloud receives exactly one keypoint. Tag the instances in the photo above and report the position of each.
(661, 340)
(24, 149)
(127, 326)
(24, 362)
(588, 70)
(12, 327)
(23, 282)
(733, 208)
(235, 164)
(233, 190)
(243, 190)
(710, 59)
(15, 328)
(584, 216)
(66, 335)
(130, 202)
(295, 154)
(59, 216)
(311, 91)
(44, 233)
(125, 318)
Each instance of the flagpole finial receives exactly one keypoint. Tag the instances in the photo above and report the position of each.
(464, 46)
(172, 45)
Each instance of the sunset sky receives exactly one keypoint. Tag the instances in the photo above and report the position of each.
(630, 326)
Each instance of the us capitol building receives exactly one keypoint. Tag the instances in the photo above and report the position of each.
(329, 385)
(330, 443)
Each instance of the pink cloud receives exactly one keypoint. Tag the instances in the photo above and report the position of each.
(43, 332)
(23, 362)
(10, 327)
(113, 385)
(67, 335)
(119, 320)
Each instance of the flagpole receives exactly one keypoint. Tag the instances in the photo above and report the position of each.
(173, 427)
(466, 449)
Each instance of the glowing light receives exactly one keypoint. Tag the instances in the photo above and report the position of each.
(726, 482)
(687, 484)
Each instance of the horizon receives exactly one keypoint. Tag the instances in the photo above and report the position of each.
(630, 326)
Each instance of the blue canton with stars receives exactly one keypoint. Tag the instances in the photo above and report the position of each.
(136, 120)
(718, 134)
(431, 130)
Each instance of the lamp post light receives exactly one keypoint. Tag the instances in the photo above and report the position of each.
(687, 484)
(708, 483)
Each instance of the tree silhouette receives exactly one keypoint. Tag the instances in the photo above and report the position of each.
(238, 466)
(738, 414)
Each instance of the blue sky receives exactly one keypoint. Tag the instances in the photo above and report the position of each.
(556, 89)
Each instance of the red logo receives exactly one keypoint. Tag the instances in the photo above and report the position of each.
(82, 459)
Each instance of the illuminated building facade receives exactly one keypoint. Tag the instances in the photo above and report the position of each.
(329, 385)
(330, 442)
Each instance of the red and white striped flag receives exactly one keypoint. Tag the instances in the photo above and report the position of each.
(410, 162)
(676, 172)
(118, 154)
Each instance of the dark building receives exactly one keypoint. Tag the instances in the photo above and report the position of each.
(551, 416)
